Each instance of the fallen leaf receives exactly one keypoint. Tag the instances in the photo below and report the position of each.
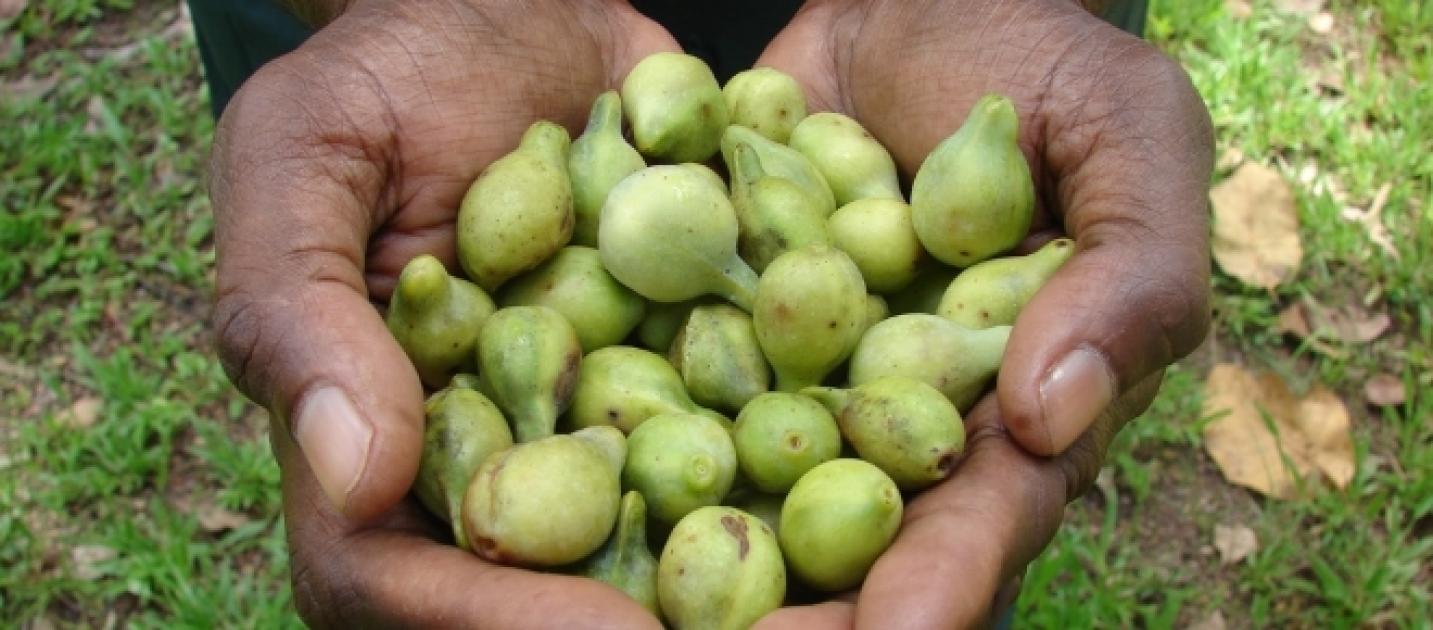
(1256, 226)
(214, 518)
(1321, 23)
(87, 558)
(82, 414)
(1265, 438)
(1215, 621)
(1384, 390)
(1234, 542)
(1230, 159)
(1351, 324)
(11, 8)
(1372, 220)
(1299, 6)
(1291, 320)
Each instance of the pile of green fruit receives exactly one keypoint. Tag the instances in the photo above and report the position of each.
(626, 302)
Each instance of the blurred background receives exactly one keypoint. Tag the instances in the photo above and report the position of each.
(1283, 478)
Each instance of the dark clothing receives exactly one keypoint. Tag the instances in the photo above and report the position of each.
(237, 36)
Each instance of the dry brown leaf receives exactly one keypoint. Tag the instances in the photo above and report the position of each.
(214, 518)
(1321, 23)
(1256, 226)
(1309, 434)
(1215, 621)
(1234, 542)
(11, 8)
(1291, 320)
(1373, 222)
(82, 414)
(1384, 390)
(87, 558)
(1351, 324)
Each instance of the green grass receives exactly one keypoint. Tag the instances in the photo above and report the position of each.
(104, 294)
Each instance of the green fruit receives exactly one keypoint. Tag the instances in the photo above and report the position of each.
(779, 160)
(574, 283)
(923, 294)
(876, 311)
(543, 503)
(528, 358)
(600, 158)
(519, 210)
(809, 314)
(624, 561)
(679, 462)
(878, 236)
(837, 521)
(973, 197)
(721, 569)
(853, 163)
(622, 386)
(774, 214)
(954, 359)
(766, 507)
(663, 322)
(675, 106)
(707, 173)
(766, 100)
(991, 293)
(436, 319)
(609, 441)
(905, 427)
(719, 358)
(461, 429)
(779, 436)
(670, 235)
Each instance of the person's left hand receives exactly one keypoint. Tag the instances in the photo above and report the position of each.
(1120, 148)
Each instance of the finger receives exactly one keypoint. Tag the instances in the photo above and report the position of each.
(1132, 160)
(831, 614)
(395, 575)
(295, 187)
(804, 50)
(962, 540)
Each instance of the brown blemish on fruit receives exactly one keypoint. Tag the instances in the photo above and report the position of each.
(737, 528)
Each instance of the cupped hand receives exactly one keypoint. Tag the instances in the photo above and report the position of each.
(1120, 149)
(332, 167)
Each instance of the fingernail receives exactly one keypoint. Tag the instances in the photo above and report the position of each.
(335, 440)
(1075, 392)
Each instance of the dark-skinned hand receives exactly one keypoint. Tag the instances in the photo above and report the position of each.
(1120, 148)
(332, 167)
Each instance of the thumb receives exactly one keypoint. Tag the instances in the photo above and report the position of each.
(294, 194)
(1135, 296)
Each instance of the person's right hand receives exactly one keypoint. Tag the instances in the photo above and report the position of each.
(332, 167)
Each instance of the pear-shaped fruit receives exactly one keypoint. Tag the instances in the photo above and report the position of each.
(622, 386)
(779, 436)
(719, 357)
(779, 160)
(721, 569)
(664, 321)
(436, 319)
(923, 294)
(954, 359)
(599, 159)
(766, 100)
(905, 427)
(625, 561)
(543, 503)
(574, 283)
(810, 312)
(707, 173)
(609, 441)
(675, 105)
(679, 462)
(992, 293)
(973, 196)
(854, 164)
(837, 520)
(876, 311)
(670, 235)
(774, 214)
(519, 210)
(878, 236)
(461, 429)
(528, 358)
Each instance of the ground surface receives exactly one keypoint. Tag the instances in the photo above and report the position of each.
(136, 487)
